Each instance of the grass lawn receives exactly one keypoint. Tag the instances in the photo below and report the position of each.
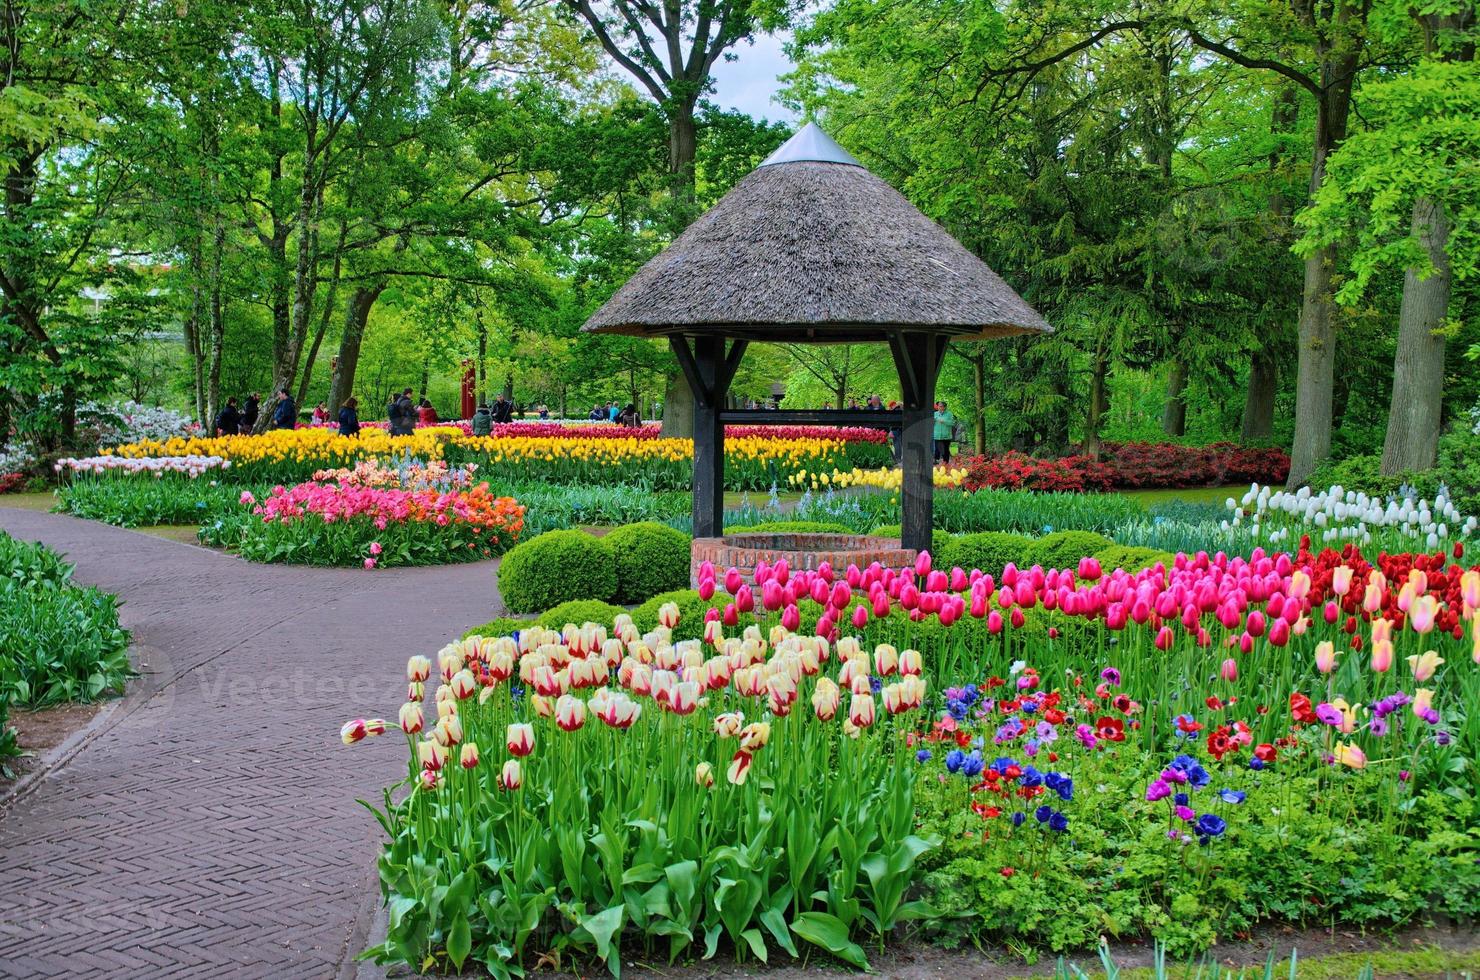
(45, 500)
(1190, 495)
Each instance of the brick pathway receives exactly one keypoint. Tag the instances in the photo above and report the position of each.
(212, 830)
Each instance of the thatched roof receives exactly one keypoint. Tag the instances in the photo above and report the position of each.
(810, 246)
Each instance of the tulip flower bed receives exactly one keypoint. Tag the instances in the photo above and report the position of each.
(348, 522)
(1340, 515)
(1182, 751)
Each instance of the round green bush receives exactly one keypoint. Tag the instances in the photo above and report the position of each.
(791, 527)
(938, 539)
(579, 612)
(691, 611)
(986, 550)
(1131, 557)
(557, 567)
(1063, 549)
(651, 558)
(502, 626)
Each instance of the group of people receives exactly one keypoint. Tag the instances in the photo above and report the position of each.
(233, 420)
(945, 427)
(486, 417)
(628, 416)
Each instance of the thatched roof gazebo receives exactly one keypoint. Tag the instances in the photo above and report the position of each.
(812, 248)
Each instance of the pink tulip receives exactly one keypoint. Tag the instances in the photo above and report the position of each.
(841, 595)
(994, 622)
(744, 600)
(1279, 632)
(1256, 624)
(731, 615)
(1229, 670)
(1016, 618)
(1164, 638)
(881, 604)
(922, 565)
(733, 581)
(860, 617)
(706, 589)
(791, 617)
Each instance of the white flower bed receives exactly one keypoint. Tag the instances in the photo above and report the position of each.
(15, 459)
(1338, 515)
(191, 466)
(132, 422)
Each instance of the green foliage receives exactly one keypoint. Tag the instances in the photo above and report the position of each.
(691, 610)
(580, 612)
(939, 540)
(986, 550)
(128, 501)
(502, 626)
(1364, 474)
(650, 558)
(1032, 513)
(1459, 467)
(791, 527)
(1131, 558)
(1063, 549)
(557, 567)
(58, 641)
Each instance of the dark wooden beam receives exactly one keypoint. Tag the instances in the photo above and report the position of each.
(685, 355)
(918, 358)
(710, 365)
(732, 363)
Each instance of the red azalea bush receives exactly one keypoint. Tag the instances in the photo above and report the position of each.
(12, 482)
(1164, 464)
(1019, 471)
(1129, 465)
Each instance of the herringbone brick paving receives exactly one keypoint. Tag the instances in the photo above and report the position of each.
(212, 829)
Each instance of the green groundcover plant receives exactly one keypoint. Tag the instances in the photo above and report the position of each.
(58, 641)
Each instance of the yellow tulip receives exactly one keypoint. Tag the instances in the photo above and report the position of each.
(1424, 666)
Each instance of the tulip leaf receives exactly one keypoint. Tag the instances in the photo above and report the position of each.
(459, 940)
(642, 874)
(775, 924)
(757, 943)
(829, 932)
(602, 927)
(711, 941)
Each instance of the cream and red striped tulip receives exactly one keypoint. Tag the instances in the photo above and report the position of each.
(468, 758)
(739, 768)
(415, 690)
(501, 665)
(861, 710)
(418, 669)
(685, 697)
(353, 731)
(668, 614)
(886, 659)
(450, 662)
(755, 735)
(430, 779)
(544, 707)
(825, 699)
(412, 720)
(704, 774)
(464, 685)
(431, 754)
(448, 731)
(570, 713)
(512, 776)
(910, 662)
(519, 738)
(728, 724)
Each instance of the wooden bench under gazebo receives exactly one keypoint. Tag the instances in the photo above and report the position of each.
(811, 248)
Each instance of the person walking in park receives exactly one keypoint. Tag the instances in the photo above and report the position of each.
(945, 425)
(285, 415)
(482, 421)
(503, 410)
(628, 417)
(403, 415)
(249, 413)
(320, 414)
(425, 413)
(349, 418)
(229, 419)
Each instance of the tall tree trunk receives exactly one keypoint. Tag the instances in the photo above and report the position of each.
(1418, 368)
(323, 327)
(218, 320)
(426, 375)
(1174, 413)
(1316, 358)
(481, 380)
(1097, 405)
(979, 403)
(683, 147)
(678, 408)
(192, 327)
(1259, 398)
(356, 315)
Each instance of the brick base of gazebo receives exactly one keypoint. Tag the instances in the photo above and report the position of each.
(745, 551)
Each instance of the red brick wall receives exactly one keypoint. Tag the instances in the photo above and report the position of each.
(743, 551)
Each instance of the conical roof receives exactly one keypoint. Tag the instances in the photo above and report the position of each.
(811, 247)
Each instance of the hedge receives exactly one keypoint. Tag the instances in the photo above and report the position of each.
(986, 550)
(557, 567)
(580, 612)
(650, 558)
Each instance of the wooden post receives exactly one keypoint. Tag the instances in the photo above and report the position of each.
(708, 370)
(917, 357)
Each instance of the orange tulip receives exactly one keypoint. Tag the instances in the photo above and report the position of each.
(1351, 755)
(1325, 656)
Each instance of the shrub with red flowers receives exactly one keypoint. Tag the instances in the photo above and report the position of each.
(1130, 465)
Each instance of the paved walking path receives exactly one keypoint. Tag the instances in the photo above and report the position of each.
(212, 829)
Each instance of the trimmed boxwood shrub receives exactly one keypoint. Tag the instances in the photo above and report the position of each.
(650, 558)
(557, 567)
(986, 550)
(938, 539)
(791, 527)
(1063, 549)
(580, 612)
(1131, 557)
(691, 611)
(502, 626)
